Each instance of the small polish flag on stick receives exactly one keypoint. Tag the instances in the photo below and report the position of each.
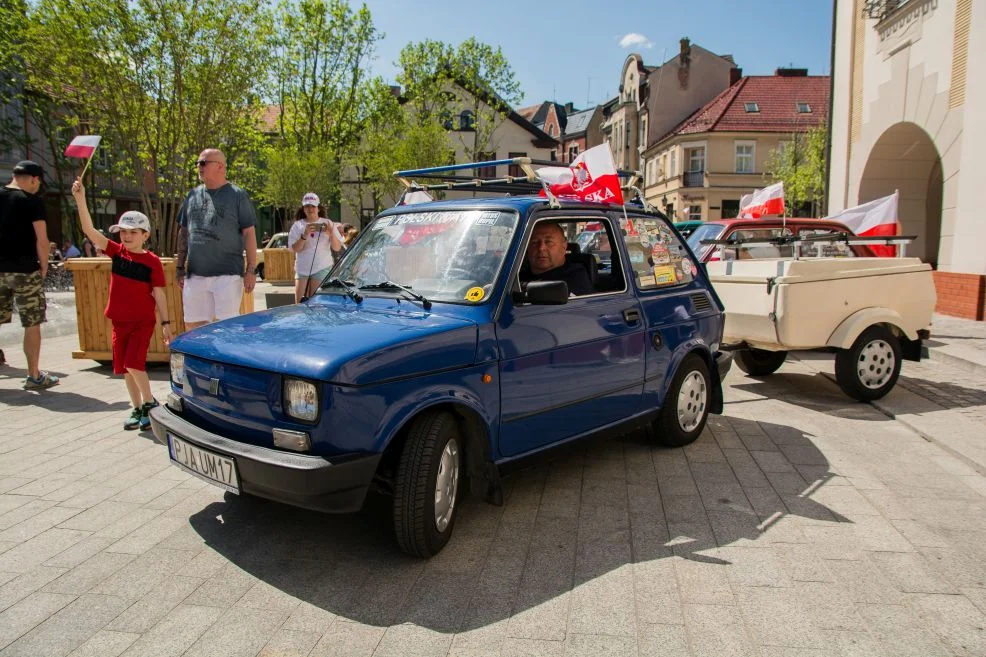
(591, 177)
(763, 202)
(83, 146)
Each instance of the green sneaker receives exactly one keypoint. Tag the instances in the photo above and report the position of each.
(133, 421)
(145, 418)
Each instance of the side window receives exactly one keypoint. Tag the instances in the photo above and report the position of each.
(579, 246)
(824, 250)
(657, 257)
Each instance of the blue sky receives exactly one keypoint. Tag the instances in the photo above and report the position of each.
(571, 51)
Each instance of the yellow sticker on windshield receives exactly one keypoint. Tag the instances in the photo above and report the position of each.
(475, 294)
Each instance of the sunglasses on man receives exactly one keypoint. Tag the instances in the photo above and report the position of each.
(202, 163)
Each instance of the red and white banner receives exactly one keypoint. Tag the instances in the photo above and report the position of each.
(763, 202)
(83, 146)
(874, 219)
(591, 177)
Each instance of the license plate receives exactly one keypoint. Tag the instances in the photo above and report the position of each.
(216, 469)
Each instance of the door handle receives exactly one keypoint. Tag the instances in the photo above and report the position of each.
(631, 315)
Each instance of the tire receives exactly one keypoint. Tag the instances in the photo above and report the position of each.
(869, 369)
(431, 461)
(759, 362)
(686, 406)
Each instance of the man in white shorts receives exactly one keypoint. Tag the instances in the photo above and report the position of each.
(216, 224)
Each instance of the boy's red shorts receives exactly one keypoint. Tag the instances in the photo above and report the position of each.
(130, 343)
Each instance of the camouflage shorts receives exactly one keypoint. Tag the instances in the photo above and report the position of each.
(26, 291)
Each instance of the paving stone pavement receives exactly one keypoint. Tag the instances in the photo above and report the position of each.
(800, 523)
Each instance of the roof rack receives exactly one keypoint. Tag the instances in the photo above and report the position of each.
(447, 178)
(822, 239)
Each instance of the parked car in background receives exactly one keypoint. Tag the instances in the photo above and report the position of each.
(686, 228)
(736, 229)
(277, 241)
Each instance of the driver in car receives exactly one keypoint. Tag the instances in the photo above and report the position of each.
(546, 260)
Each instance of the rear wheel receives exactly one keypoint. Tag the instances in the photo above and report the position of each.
(686, 406)
(869, 369)
(759, 362)
(427, 487)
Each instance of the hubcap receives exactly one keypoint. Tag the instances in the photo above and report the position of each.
(446, 485)
(692, 397)
(875, 365)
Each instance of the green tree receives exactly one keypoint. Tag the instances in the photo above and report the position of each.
(800, 164)
(292, 173)
(434, 76)
(394, 139)
(160, 80)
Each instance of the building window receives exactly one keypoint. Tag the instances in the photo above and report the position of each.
(730, 209)
(745, 157)
(628, 132)
(694, 213)
(696, 159)
(467, 120)
(445, 118)
(642, 138)
(514, 169)
(673, 171)
(804, 108)
(573, 152)
(486, 172)
(751, 108)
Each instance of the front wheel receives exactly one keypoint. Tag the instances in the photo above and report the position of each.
(426, 491)
(759, 362)
(869, 368)
(686, 406)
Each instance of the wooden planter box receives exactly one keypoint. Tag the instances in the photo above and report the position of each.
(92, 289)
(278, 265)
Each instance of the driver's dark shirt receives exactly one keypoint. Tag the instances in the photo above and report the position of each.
(573, 273)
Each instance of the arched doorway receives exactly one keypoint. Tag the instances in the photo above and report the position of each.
(905, 158)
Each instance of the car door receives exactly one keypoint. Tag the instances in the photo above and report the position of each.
(676, 307)
(569, 369)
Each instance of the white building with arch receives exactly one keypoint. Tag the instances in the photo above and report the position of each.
(908, 110)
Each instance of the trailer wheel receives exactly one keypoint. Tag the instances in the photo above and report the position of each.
(759, 362)
(686, 406)
(427, 487)
(869, 368)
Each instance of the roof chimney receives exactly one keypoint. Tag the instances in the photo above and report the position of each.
(569, 108)
(735, 73)
(791, 72)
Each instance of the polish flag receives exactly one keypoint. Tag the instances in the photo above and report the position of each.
(83, 146)
(874, 219)
(763, 202)
(590, 177)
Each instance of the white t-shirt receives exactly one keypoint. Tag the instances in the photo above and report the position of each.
(318, 246)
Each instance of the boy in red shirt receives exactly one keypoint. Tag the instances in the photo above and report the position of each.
(136, 286)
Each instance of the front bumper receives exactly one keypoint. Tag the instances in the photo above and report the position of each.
(312, 482)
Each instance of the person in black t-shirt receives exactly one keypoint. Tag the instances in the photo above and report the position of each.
(24, 264)
(546, 259)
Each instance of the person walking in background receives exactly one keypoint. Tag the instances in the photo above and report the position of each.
(136, 287)
(24, 264)
(216, 224)
(349, 233)
(313, 238)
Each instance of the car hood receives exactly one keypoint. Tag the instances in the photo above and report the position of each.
(339, 343)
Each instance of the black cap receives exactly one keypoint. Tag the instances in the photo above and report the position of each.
(28, 168)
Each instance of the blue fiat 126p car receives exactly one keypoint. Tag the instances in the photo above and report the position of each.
(428, 363)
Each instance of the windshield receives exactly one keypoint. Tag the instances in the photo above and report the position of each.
(451, 255)
(703, 232)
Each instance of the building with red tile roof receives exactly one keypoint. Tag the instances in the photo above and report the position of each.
(703, 166)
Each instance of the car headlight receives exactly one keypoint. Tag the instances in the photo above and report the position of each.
(178, 369)
(301, 399)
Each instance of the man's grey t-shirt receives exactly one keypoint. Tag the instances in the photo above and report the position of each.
(215, 219)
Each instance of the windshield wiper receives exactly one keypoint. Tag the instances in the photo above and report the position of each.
(347, 286)
(406, 290)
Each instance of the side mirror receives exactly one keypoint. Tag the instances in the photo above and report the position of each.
(545, 293)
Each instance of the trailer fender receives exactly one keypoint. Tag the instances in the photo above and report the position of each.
(846, 333)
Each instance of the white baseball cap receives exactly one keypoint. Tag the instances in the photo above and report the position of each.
(311, 198)
(132, 220)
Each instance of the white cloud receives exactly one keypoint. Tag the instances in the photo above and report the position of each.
(634, 39)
